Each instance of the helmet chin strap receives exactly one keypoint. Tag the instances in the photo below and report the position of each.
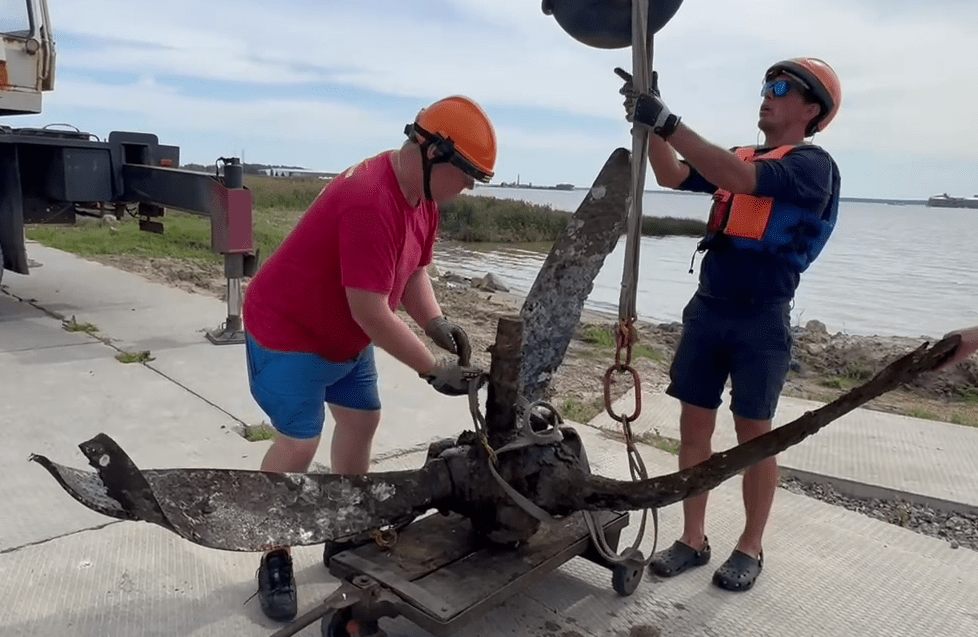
(442, 154)
(426, 164)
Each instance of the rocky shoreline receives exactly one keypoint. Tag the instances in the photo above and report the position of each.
(824, 365)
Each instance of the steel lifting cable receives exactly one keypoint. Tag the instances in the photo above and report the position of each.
(627, 310)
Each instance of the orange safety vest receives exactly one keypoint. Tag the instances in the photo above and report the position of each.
(745, 216)
(762, 224)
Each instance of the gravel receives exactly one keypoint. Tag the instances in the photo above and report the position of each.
(958, 529)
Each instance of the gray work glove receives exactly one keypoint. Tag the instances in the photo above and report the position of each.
(452, 379)
(647, 109)
(449, 337)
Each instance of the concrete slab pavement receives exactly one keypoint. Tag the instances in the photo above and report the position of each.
(933, 462)
(829, 572)
(67, 571)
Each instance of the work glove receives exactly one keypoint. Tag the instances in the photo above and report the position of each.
(449, 337)
(647, 109)
(453, 379)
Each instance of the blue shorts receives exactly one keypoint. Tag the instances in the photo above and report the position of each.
(293, 388)
(752, 348)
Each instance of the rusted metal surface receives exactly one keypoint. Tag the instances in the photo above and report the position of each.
(504, 376)
(253, 510)
(552, 309)
(248, 510)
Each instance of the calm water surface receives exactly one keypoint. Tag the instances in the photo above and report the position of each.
(898, 270)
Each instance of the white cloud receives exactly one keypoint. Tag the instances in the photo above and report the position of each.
(322, 69)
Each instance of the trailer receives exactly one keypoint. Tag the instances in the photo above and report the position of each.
(55, 174)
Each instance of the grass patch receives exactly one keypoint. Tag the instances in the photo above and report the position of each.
(74, 326)
(134, 357)
(655, 439)
(599, 336)
(581, 411)
(968, 394)
(488, 219)
(255, 433)
(277, 193)
(859, 373)
(832, 383)
(604, 338)
(187, 237)
(958, 419)
(923, 414)
(672, 227)
(279, 203)
(853, 376)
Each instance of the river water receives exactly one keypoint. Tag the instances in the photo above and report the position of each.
(891, 270)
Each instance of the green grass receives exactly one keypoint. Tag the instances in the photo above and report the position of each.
(958, 419)
(604, 338)
(488, 219)
(279, 204)
(655, 439)
(187, 237)
(923, 414)
(134, 357)
(579, 411)
(859, 373)
(968, 394)
(832, 383)
(255, 433)
(672, 227)
(276, 193)
(74, 326)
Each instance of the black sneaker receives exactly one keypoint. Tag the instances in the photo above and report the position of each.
(276, 586)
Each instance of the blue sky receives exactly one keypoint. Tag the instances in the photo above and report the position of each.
(324, 83)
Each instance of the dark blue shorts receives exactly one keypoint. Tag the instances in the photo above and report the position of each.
(293, 388)
(752, 348)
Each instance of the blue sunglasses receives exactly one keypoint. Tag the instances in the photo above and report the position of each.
(780, 88)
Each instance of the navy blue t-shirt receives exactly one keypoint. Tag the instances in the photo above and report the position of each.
(808, 178)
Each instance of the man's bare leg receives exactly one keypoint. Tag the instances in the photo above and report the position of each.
(760, 482)
(353, 436)
(696, 426)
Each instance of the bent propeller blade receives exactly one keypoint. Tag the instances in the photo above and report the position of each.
(590, 492)
(238, 510)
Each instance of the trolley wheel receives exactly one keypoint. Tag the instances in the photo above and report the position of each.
(626, 577)
(342, 624)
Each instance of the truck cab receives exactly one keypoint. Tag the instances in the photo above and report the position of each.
(26, 57)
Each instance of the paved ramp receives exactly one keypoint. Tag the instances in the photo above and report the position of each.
(65, 571)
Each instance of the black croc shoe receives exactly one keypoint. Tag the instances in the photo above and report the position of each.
(679, 558)
(276, 586)
(739, 572)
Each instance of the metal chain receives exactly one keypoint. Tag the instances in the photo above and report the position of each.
(625, 333)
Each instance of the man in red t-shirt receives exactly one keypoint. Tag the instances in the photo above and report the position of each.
(330, 291)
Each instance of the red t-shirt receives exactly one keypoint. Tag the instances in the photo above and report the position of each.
(361, 233)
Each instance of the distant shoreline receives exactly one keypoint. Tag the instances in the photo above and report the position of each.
(563, 187)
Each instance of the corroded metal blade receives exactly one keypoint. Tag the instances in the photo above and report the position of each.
(552, 309)
(597, 493)
(239, 510)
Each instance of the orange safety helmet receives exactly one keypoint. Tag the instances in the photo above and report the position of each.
(822, 83)
(462, 134)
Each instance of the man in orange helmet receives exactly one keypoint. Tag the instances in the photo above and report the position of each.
(774, 208)
(329, 293)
